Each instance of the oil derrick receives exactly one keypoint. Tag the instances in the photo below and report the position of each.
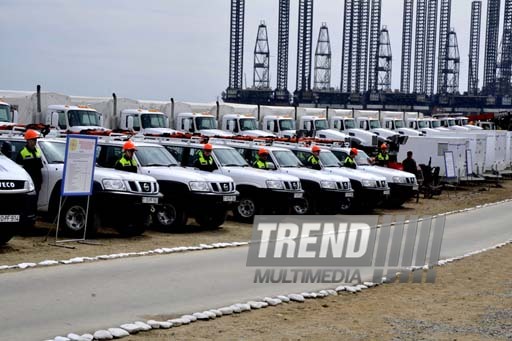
(430, 47)
(419, 48)
(261, 59)
(236, 50)
(452, 64)
(374, 43)
(491, 46)
(385, 58)
(444, 25)
(304, 49)
(504, 69)
(405, 75)
(323, 60)
(281, 94)
(474, 47)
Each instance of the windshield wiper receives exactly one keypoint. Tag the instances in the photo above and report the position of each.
(155, 165)
(232, 165)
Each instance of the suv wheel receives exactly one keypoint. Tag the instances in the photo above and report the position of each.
(211, 220)
(301, 206)
(73, 217)
(6, 233)
(169, 216)
(246, 209)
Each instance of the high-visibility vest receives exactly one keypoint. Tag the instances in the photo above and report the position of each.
(202, 160)
(260, 164)
(27, 154)
(126, 163)
(313, 160)
(382, 157)
(349, 161)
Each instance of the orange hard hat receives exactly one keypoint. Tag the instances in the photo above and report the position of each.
(353, 151)
(315, 149)
(383, 146)
(129, 145)
(31, 134)
(262, 151)
(208, 147)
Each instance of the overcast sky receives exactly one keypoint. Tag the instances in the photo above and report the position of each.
(157, 49)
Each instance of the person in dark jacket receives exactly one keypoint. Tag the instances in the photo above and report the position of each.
(204, 159)
(30, 159)
(127, 163)
(409, 164)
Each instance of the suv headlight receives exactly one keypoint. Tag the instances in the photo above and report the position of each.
(368, 183)
(113, 185)
(29, 185)
(275, 184)
(328, 184)
(399, 179)
(199, 186)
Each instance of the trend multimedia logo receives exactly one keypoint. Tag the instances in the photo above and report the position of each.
(344, 249)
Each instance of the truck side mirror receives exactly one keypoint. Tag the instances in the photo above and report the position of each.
(307, 125)
(100, 119)
(271, 126)
(231, 126)
(167, 125)
(54, 119)
(186, 125)
(129, 122)
(15, 116)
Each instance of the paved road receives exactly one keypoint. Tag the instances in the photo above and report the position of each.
(44, 302)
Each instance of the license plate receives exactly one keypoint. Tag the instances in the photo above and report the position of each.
(229, 198)
(298, 195)
(386, 192)
(349, 195)
(150, 200)
(415, 187)
(12, 218)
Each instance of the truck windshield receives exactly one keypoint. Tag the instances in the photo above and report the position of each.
(286, 158)
(205, 123)
(374, 124)
(53, 151)
(286, 124)
(329, 159)
(350, 124)
(362, 159)
(149, 156)
(229, 157)
(435, 124)
(321, 124)
(83, 118)
(153, 121)
(248, 124)
(399, 124)
(451, 123)
(422, 124)
(5, 114)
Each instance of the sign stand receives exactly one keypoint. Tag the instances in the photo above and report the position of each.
(77, 180)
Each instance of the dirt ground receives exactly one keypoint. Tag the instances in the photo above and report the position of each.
(34, 246)
(470, 300)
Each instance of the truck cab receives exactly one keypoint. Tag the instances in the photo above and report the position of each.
(318, 126)
(145, 122)
(8, 116)
(243, 125)
(281, 126)
(359, 138)
(73, 119)
(369, 120)
(199, 123)
(395, 121)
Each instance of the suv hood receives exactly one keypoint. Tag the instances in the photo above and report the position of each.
(185, 175)
(10, 170)
(245, 172)
(313, 175)
(108, 173)
(389, 173)
(354, 174)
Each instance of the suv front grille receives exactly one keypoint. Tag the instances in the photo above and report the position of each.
(9, 185)
(223, 187)
(143, 187)
(291, 185)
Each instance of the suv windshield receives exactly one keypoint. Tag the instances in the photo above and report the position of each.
(329, 159)
(54, 152)
(83, 118)
(286, 158)
(248, 124)
(286, 124)
(153, 121)
(205, 123)
(155, 156)
(321, 124)
(5, 113)
(229, 157)
(362, 159)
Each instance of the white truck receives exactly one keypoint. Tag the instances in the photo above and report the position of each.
(243, 125)
(74, 119)
(147, 122)
(120, 199)
(198, 123)
(343, 120)
(8, 117)
(17, 198)
(395, 120)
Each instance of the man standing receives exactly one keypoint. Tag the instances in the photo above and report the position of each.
(261, 159)
(409, 164)
(313, 160)
(349, 160)
(127, 162)
(383, 156)
(204, 159)
(30, 158)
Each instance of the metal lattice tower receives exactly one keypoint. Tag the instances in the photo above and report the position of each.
(261, 59)
(504, 71)
(304, 45)
(419, 49)
(405, 76)
(430, 47)
(362, 62)
(452, 63)
(385, 59)
(474, 47)
(354, 47)
(491, 45)
(374, 42)
(346, 62)
(236, 46)
(444, 26)
(282, 46)
(323, 60)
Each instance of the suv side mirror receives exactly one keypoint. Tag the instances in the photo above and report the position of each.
(271, 166)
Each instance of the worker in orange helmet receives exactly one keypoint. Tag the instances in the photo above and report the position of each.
(30, 158)
(313, 160)
(204, 159)
(383, 156)
(261, 159)
(127, 162)
(350, 159)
